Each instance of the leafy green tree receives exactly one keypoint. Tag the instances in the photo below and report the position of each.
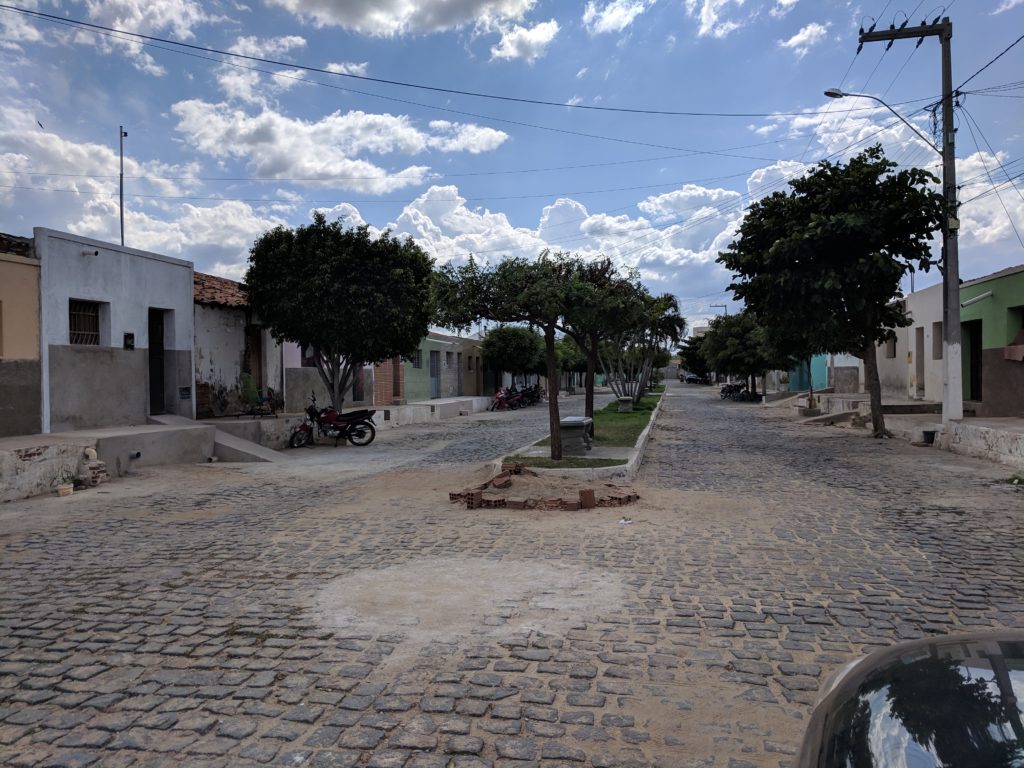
(627, 357)
(514, 291)
(692, 357)
(513, 348)
(600, 304)
(351, 298)
(739, 345)
(820, 266)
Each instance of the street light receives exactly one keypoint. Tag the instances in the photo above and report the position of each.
(835, 93)
(952, 376)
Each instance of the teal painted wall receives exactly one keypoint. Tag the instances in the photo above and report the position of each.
(799, 380)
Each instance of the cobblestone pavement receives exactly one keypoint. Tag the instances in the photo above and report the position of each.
(337, 611)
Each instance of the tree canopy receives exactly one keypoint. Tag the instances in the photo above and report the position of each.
(513, 348)
(740, 345)
(352, 298)
(820, 265)
(516, 290)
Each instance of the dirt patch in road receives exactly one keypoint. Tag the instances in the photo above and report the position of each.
(444, 600)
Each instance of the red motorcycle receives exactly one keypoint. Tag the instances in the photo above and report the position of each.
(354, 426)
(506, 398)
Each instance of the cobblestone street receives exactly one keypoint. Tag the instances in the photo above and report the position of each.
(336, 610)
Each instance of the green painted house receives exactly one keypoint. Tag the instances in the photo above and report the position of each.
(992, 333)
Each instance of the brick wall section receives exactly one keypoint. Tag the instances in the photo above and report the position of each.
(383, 382)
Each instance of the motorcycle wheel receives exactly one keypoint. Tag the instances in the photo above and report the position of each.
(362, 433)
(299, 439)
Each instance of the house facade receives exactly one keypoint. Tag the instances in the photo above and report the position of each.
(230, 342)
(446, 366)
(992, 338)
(20, 374)
(116, 333)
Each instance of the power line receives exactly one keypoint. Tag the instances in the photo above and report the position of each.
(384, 81)
(991, 62)
(981, 156)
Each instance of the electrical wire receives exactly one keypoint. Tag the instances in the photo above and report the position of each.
(990, 62)
(384, 81)
(981, 156)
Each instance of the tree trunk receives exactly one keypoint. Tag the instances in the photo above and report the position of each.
(810, 384)
(553, 415)
(874, 386)
(588, 405)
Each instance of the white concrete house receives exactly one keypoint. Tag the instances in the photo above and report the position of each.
(116, 333)
(230, 341)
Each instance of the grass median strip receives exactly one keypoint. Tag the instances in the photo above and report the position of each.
(616, 430)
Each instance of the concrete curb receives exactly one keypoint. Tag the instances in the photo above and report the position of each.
(625, 471)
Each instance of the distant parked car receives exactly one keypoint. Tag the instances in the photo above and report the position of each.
(954, 700)
(693, 378)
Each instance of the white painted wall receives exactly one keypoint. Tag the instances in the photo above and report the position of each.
(899, 374)
(220, 344)
(129, 280)
(220, 347)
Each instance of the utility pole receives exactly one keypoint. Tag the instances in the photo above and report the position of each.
(121, 133)
(952, 375)
(721, 306)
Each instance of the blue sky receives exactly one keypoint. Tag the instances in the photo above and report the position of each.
(220, 149)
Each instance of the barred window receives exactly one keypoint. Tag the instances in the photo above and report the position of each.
(84, 322)
(417, 359)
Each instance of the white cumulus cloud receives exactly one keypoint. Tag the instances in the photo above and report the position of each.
(1007, 5)
(711, 16)
(248, 85)
(349, 68)
(529, 43)
(150, 17)
(808, 37)
(614, 16)
(392, 18)
(782, 7)
(325, 152)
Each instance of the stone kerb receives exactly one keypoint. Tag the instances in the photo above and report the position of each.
(625, 471)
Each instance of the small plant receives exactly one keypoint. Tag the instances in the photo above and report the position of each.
(65, 480)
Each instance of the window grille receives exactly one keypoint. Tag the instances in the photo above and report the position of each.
(84, 322)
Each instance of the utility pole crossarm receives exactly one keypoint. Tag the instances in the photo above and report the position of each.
(944, 27)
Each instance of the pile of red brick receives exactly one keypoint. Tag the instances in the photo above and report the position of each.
(94, 472)
(588, 498)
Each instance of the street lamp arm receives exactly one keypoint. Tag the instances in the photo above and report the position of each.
(835, 93)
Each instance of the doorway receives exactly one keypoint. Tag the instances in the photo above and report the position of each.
(919, 362)
(157, 395)
(435, 373)
(971, 339)
(459, 380)
(253, 363)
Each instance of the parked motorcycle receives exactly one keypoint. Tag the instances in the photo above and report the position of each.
(506, 398)
(532, 394)
(355, 426)
(729, 391)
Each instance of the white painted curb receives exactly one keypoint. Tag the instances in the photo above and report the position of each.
(625, 471)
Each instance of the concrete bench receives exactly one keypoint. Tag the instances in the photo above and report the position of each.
(576, 431)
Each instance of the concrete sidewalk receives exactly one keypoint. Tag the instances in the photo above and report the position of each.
(994, 439)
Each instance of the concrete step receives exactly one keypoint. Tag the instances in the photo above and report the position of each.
(230, 448)
(226, 447)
